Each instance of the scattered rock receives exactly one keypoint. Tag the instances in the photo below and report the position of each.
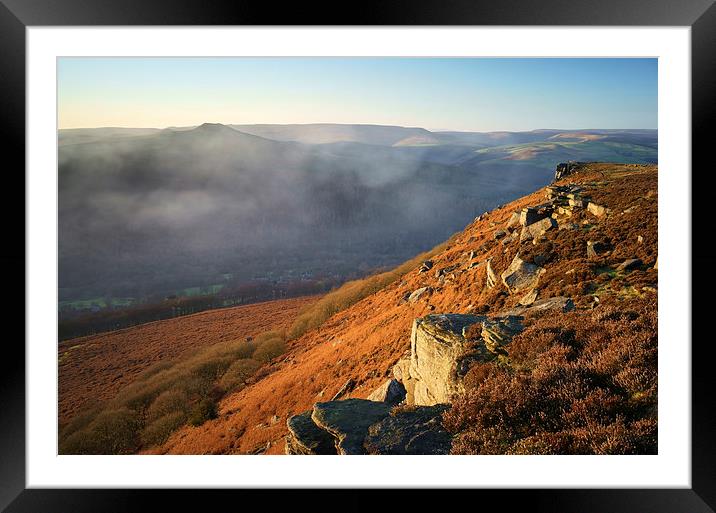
(530, 215)
(529, 298)
(499, 234)
(640, 239)
(521, 275)
(417, 294)
(491, 276)
(425, 266)
(595, 249)
(305, 437)
(536, 230)
(417, 430)
(597, 210)
(568, 226)
(628, 265)
(541, 259)
(445, 270)
(391, 392)
(347, 387)
(348, 421)
(513, 221)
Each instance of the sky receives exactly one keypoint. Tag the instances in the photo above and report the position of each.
(472, 94)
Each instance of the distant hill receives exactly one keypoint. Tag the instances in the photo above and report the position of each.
(322, 133)
(149, 212)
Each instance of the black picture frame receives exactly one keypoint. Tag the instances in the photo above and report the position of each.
(17, 15)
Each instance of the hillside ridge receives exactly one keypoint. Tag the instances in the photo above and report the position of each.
(582, 248)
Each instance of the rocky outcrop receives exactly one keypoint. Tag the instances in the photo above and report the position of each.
(521, 275)
(441, 353)
(513, 221)
(346, 388)
(414, 430)
(357, 426)
(391, 392)
(443, 348)
(565, 169)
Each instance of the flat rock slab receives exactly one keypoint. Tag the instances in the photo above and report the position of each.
(305, 437)
(348, 421)
(418, 430)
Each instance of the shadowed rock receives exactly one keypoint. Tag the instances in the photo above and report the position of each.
(305, 437)
(391, 392)
(418, 430)
(497, 333)
(628, 265)
(565, 169)
(348, 421)
(535, 230)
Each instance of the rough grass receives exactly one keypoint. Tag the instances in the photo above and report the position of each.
(168, 395)
(576, 383)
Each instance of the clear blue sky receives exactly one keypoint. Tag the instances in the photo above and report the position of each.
(480, 94)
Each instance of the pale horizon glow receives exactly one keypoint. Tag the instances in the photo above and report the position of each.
(466, 94)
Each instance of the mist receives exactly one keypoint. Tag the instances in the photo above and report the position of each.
(160, 211)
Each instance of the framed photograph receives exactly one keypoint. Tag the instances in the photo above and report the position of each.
(421, 246)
